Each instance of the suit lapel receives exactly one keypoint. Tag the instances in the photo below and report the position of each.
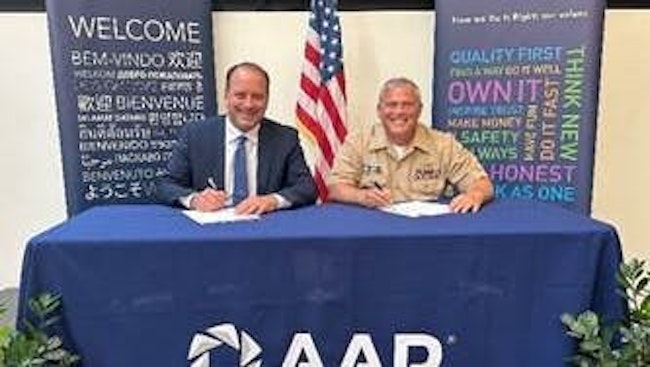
(264, 151)
(219, 152)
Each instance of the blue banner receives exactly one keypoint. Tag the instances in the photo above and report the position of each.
(127, 76)
(518, 85)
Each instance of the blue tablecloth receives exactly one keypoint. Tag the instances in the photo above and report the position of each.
(138, 282)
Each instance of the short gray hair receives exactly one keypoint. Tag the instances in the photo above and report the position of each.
(397, 83)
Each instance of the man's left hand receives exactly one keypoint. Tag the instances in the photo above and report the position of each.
(257, 205)
(466, 202)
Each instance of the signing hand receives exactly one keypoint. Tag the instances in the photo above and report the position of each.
(208, 200)
(375, 197)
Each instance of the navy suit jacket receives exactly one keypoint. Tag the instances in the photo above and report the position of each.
(199, 155)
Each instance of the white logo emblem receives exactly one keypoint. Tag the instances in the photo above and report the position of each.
(220, 335)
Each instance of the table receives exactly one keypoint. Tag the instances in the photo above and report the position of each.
(140, 282)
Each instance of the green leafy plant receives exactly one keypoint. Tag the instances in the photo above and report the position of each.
(33, 347)
(597, 345)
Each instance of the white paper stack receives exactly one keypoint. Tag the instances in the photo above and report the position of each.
(417, 209)
(220, 216)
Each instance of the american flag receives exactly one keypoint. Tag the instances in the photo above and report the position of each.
(321, 107)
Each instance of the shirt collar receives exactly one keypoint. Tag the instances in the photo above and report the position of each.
(421, 141)
(378, 139)
(232, 132)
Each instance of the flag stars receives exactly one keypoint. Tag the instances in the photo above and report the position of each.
(325, 22)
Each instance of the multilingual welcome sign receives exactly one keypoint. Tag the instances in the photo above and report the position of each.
(127, 76)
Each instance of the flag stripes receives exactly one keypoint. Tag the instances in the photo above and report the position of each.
(321, 105)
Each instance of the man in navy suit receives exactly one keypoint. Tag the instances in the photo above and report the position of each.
(202, 170)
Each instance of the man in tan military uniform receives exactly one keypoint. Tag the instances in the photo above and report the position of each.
(400, 159)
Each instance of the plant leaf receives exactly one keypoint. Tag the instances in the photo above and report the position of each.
(642, 284)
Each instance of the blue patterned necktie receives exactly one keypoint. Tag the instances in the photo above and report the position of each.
(240, 187)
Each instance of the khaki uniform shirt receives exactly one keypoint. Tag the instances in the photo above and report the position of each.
(432, 160)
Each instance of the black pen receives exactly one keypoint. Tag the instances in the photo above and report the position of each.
(377, 185)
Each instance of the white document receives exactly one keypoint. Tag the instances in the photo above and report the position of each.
(417, 209)
(220, 216)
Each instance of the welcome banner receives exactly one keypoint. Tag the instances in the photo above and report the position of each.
(128, 75)
(517, 82)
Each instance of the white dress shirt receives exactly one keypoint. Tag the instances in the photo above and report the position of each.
(230, 144)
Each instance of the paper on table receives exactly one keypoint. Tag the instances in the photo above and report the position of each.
(219, 216)
(417, 208)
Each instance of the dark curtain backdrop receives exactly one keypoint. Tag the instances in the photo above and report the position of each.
(39, 5)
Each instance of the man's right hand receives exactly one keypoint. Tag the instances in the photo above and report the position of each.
(375, 198)
(208, 200)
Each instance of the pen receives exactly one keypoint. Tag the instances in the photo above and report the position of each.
(213, 186)
(377, 185)
(211, 183)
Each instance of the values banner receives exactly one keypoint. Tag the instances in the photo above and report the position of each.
(517, 82)
(127, 74)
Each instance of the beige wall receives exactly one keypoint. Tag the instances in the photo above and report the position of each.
(621, 178)
(30, 163)
(377, 45)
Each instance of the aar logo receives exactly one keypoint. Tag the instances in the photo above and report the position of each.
(302, 351)
(224, 335)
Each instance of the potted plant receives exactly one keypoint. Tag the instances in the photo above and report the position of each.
(625, 343)
(32, 346)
